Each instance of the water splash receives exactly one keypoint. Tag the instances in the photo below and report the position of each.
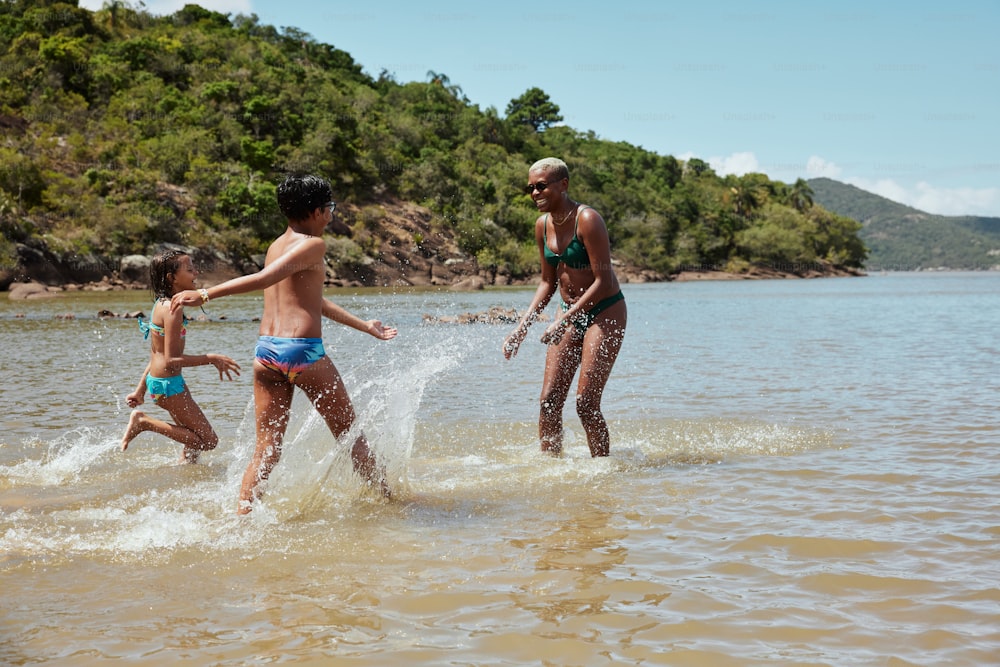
(653, 443)
(78, 494)
(314, 469)
(64, 459)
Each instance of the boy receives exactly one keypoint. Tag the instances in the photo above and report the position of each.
(290, 352)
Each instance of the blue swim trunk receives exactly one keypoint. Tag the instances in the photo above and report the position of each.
(164, 387)
(288, 356)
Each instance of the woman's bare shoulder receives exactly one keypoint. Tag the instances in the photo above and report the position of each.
(590, 220)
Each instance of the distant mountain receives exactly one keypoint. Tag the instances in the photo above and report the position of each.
(902, 238)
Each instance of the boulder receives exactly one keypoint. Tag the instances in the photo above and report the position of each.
(86, 268)
(495, 315)
(135, 269)
(470, 284)
(30, 290)
(38, 264)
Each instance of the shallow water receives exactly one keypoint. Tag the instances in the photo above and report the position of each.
(802, 473)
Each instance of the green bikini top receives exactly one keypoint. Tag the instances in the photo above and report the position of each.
(575, 255)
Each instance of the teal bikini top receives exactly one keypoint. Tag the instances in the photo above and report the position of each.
(145, 326)
(575, 255)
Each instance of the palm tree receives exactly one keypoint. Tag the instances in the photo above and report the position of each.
(441, 79)
(746, 200)
(112, 11)
(121, 17)
(801, 196)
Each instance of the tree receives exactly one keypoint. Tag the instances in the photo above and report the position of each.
(698, 167)
(112, 10)
(441, 79)
(781, 236)
(801, 196)
(193, 117)
(534, 108)
(749, 194)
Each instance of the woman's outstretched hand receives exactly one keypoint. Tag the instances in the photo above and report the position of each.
(513, 341)
(554, 332)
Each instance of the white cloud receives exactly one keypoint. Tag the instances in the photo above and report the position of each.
(933, 199)
(817, 167)
(957, 201)
(885, 187)
(736, 164)
(922, 195)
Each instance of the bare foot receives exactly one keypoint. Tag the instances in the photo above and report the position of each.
(190, 455)
(365, 465)
(551, 449)
(375, 478)
(134, 428)
(383, 486)
(244, 507)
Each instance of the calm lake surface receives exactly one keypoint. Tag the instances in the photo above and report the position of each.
(802, 473)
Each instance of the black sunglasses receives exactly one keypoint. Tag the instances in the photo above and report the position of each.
(332, 205)
(531, 187)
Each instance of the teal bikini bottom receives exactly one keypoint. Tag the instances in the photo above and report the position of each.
(164, 387)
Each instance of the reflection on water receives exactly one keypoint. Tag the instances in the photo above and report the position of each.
(802, 472)
(572, 567)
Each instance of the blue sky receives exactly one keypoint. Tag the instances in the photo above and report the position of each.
(899, 98)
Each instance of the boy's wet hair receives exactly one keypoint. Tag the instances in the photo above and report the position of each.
(298, 196)
(162, 265)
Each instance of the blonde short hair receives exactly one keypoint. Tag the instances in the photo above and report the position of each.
(553, 166)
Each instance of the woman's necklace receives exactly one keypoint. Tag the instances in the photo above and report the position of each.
(565, 217)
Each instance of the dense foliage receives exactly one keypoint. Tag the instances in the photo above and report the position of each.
(901, 238)
(121, 130)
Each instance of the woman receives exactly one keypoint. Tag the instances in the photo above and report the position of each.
(588, 329)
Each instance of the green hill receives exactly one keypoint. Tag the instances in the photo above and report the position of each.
(121, 131)
(902, 238)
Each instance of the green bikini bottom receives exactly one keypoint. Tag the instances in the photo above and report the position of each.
(583, 321)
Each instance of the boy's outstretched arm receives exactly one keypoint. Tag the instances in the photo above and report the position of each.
(341, 315)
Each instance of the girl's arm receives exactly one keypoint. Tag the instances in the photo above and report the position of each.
(142, 380)
(173, 349)
(138, 397)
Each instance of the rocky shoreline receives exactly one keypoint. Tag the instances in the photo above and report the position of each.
(34, 289)
(403, 247)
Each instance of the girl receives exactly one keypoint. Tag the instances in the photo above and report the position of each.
(172, 271)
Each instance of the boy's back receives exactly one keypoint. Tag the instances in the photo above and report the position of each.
(293, 306)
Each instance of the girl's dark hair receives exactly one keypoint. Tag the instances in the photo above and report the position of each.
(162, 265)
(298, 196)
